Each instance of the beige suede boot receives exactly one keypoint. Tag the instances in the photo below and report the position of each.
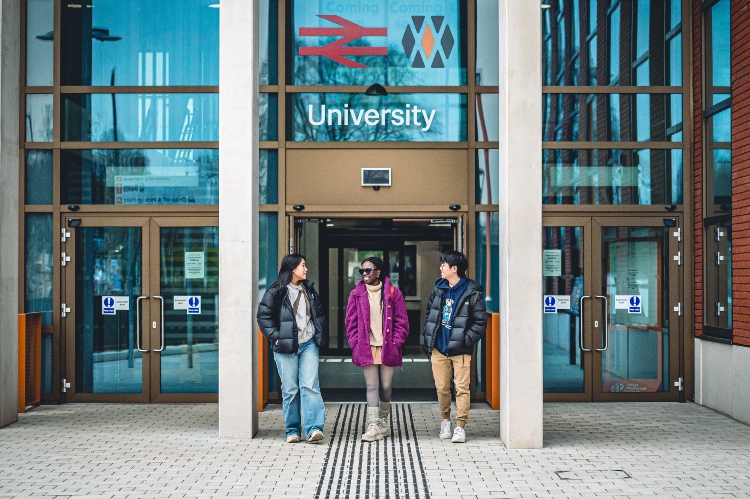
(374, 425)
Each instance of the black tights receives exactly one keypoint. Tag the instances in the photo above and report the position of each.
(378, 379)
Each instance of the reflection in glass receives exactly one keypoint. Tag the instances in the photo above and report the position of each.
(641, 33)
(136, 43)
(268, 121)
(269, 176)
(642, 17)
(487, 263)
(108, 264)
(722, 122)
(39, 118)
(393, 118)
(39, 25)
(722, 176)
(612, 177)
(614, 45)
(38, 177)
(651, 117)
(562, 275)
(487, 42)
(488, 113)
(140, 176)
(405, 44)
(635, 268)
(268, 23)
(268, 270)
(487, 171)
(140, 117)
(189, 267)
(38, 263)
(720, 44)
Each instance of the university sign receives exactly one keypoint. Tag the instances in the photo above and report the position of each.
(409, 116)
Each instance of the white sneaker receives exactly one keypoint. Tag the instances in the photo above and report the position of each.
(459, 435)
(315, 436)
(445, 429)
(292, 439)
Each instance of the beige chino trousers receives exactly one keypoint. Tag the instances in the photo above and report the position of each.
(457, 367)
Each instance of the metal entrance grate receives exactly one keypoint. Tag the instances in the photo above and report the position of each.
(391, 467)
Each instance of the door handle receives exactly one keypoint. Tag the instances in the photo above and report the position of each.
(161, 307)
(138, 324)
(580, 334)
(606, 323)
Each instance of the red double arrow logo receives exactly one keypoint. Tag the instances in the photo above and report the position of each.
(348, 32)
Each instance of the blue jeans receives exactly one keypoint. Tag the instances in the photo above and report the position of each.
(299, 383)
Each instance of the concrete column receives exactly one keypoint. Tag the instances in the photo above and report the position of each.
(238, 219)
(521, 389)
(10, 48)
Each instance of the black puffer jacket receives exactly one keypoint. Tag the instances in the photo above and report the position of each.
(276, 319)
(469, 320)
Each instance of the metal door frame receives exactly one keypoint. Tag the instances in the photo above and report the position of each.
(592, 361)
(68, 323)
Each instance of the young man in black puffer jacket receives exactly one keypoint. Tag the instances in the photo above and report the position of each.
(456, 320)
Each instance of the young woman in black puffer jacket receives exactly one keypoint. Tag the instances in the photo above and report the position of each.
(291, 317)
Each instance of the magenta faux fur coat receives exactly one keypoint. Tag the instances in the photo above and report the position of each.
(395, 325)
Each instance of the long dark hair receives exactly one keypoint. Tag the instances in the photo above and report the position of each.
(288, 264)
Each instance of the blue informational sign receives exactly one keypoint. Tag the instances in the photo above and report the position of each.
(634, 304)
(549, 305)
(194, 305)
(108, 305)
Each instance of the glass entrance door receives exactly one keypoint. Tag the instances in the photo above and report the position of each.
(611, 295)
(140, 310)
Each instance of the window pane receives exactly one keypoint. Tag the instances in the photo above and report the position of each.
(718, 272)
(675, 17)
(268, 255)
(488, 273)
(268, 42)
(722, 176)
(642, 16)
(393, 118)
(614, 45)
(406, 44)
(487, 43)
(675, 61)
(269, 176)
(140, 117)
(140, 176)
(38, 177)
(39, 118)
(268, 110)
(38, 263)
(723, 126)
(631, 117)
(131, 42)
(487, 171)
(488, 114)
(39, 35)
(720, 49)
(612, 177)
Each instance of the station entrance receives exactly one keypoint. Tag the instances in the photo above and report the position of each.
(410, 249)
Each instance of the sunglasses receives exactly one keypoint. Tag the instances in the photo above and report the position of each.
(366, 271)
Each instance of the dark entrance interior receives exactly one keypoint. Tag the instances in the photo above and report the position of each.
(410, 249)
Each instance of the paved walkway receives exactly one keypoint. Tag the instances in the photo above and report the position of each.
(591, 450)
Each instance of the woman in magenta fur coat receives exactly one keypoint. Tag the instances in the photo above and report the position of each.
(377, 326)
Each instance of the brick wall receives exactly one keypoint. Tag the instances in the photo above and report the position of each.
(698, 164)
(740, 39)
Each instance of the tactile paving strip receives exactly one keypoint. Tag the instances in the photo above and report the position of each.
(391, 467)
